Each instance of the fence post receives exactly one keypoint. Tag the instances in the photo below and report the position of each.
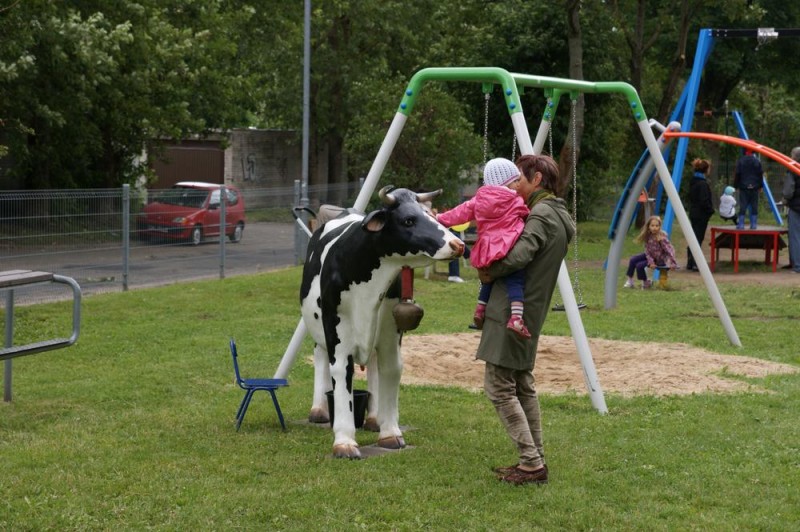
(297, 232)
(126, 234)
(9, 343)
(222, 228)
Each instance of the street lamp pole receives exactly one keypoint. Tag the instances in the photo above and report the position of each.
(306, 98)
(300, 237)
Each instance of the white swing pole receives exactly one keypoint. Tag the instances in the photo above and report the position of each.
(378, 165)
(686, 227)
(564, 282)
(581, 341)
(541, 136)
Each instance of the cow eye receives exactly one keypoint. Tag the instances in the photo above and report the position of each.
(409, 222)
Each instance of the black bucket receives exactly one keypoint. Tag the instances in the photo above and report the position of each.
(360, 400)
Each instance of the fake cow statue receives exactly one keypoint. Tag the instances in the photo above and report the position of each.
(350, 286)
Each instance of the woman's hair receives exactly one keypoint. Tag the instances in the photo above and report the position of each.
(551, 180)
(701, 165)
(644, 234)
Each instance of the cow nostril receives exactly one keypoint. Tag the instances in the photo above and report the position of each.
(457, 246)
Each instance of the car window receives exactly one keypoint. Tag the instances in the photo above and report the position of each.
(233, 197)
(185, 197)
(214, 198)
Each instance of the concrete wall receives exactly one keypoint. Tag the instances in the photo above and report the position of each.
(260, 158)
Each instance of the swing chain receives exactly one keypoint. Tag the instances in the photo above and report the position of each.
(550, 126)
(514, 148)
(576, 280)
(487, 95)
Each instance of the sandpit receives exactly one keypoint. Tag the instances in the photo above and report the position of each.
(625, 368)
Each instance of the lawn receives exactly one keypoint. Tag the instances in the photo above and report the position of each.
(133, 427)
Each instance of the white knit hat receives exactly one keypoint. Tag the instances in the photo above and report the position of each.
(500, 172)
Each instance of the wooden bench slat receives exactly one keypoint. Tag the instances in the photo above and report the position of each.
(13, 278)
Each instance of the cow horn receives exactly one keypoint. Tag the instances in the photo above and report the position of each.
(428, 196)
(386, 196)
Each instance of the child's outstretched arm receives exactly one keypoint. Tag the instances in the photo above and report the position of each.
(460, 214)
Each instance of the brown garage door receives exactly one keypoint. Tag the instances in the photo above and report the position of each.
(190, 161)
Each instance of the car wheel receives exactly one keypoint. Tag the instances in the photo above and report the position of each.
(236, 236)
(197, 235)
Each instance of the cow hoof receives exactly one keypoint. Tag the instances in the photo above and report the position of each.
(318, 415)
(392, 442)
(346, 451)
(371, 424)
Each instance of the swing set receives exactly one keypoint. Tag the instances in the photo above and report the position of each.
(551, 105)
(511, 85)
(679, 128)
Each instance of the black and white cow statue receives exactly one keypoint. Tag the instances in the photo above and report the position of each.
(350, 285)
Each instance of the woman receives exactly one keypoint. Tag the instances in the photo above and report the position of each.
(508, 376)
(701, 207)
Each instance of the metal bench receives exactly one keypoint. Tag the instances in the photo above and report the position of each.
(18, 279)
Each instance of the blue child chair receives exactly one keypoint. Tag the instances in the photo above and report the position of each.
(250, 386)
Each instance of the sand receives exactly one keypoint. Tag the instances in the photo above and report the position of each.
(625, 368)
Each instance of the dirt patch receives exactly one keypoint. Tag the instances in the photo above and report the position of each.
(625, 368)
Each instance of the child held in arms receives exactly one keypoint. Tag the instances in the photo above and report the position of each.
(499, 214)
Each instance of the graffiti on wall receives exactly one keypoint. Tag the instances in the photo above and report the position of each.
(249, 168)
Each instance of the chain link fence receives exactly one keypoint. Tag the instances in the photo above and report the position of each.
(97, 236)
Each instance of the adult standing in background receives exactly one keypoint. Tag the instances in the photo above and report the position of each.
(748, 180)
(791, 198)
(508, 376)
(700, 206)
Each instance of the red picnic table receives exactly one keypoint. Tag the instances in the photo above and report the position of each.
(764, 237)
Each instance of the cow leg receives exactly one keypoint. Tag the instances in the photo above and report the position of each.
(344, 426)
(391, 367)
(322, 383)
(371, 421)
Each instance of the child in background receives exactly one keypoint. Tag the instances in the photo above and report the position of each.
(500, 216)
(657, 252)
(727, 205)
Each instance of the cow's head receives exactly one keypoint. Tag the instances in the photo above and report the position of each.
(405, 228)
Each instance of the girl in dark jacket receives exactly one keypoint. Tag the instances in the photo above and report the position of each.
(700, 205)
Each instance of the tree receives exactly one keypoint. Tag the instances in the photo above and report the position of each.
(87, 90)
(437, 148)
(570, 152)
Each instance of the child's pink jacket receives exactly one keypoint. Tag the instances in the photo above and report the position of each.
(500, 216)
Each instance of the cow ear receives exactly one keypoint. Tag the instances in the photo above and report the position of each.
(374, 221)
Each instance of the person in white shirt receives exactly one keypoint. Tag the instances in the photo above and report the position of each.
(727, 205)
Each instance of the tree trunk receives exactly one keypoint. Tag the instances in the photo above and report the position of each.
(678, 63)
(336, 170)
(571, 149)
(637, 47)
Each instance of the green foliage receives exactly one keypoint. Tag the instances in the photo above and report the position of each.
(436, 150)
(86, 90)
(86, 87)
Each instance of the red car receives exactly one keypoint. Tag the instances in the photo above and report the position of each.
(190, 211)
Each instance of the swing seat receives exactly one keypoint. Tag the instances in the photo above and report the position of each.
(663, 277)
(559, 307)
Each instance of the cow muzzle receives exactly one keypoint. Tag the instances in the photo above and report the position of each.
(458, 247)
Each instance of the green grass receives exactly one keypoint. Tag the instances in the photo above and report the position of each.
(132, 428)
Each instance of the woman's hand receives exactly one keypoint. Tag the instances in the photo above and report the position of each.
(483, 275)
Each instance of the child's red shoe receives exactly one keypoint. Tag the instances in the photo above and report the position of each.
(517, 326)
(479, 316)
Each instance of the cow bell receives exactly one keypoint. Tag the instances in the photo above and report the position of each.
(407, 315)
